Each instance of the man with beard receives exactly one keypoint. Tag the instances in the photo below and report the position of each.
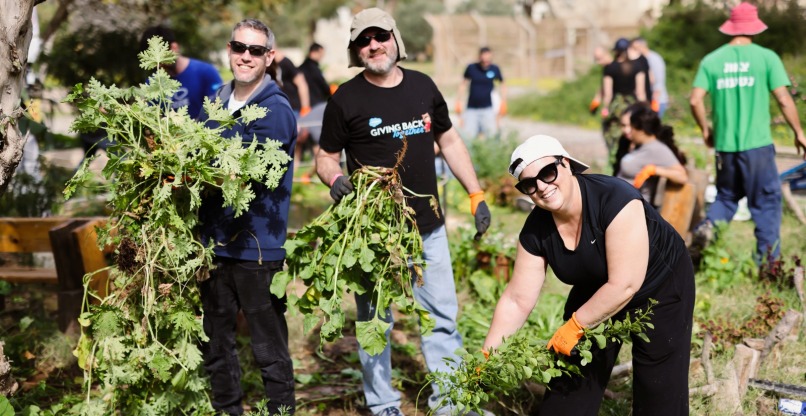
(249, 249)
(199, 79)
(372, 117)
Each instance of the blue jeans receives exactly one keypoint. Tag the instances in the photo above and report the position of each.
(750, 173)
(438, 296)
(662, 109)
(479, 121)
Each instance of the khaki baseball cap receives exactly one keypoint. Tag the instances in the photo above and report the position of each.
(374, 17)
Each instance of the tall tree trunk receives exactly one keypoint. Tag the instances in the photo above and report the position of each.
(15, 37)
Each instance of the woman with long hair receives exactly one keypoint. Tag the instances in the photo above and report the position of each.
(651, 152)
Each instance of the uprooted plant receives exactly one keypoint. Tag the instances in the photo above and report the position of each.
(139, 345)
(477, 380)
(367, 243)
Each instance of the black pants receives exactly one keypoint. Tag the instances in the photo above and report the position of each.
(235, 285)
(660, 367)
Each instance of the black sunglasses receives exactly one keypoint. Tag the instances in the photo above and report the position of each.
(365, 40)
(547, 175)
(254, 50)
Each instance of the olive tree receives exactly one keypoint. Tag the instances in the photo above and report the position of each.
(15, 37)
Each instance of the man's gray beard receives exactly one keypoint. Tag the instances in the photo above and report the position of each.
(380, 69)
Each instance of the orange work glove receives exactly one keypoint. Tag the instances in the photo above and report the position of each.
(333, 88)
(486, 353)
(503, 109)
(594, 105)
(458, 107)
(645, 173)
(605, 112)
(304, 110)
(567, 337)
(655, 105)
(475, 199)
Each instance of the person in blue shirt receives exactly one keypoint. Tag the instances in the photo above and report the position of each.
(480, 117)
(249, 248)
(199, 79)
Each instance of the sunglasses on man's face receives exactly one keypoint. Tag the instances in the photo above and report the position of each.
(254, 50)
(547, 175)
(365, 40)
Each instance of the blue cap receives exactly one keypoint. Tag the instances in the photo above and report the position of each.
(621, 45)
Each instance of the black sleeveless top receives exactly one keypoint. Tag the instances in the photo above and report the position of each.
(585, 268)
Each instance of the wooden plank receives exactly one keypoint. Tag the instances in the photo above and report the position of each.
(678, 206)
(92, 257)
(70, 269)
(26, 235)
(29, 275)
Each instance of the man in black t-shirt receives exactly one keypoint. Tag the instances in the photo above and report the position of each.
(369, 117)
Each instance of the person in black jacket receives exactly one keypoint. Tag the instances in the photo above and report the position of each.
(249, 248)
(318, 88)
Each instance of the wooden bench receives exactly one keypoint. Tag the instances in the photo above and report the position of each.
(73, 242)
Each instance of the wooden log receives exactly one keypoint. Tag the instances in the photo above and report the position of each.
(792, 203)
(746, 362)
(798, 278)
(728, 391)
(754, 343)
(784, 327)
(706, 358)
(621, 370)
(8, 385)
(706, 390)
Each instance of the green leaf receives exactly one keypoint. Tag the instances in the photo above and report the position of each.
(367, 259)
(158, 53)
(107, 324)
(309, 323)
(6, 409)
(279, 282)
(601, 341)
(371, 335)
(527, 372)
(25, 322)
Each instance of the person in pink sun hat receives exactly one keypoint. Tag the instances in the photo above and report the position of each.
(739, 76)
(743, 21)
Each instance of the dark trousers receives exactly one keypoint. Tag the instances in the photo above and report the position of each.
(660, 367)
(750, 173)
(235, 285)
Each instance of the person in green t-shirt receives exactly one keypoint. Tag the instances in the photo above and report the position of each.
(739, 77)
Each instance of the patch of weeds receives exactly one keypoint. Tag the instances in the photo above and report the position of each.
(721, 266)
(727, 331)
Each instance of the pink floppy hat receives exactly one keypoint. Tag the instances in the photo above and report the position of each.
(743, 21)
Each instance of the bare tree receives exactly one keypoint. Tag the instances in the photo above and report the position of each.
(15, 37)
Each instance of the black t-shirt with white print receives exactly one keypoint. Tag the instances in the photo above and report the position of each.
(585, 267)
(369, 122)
